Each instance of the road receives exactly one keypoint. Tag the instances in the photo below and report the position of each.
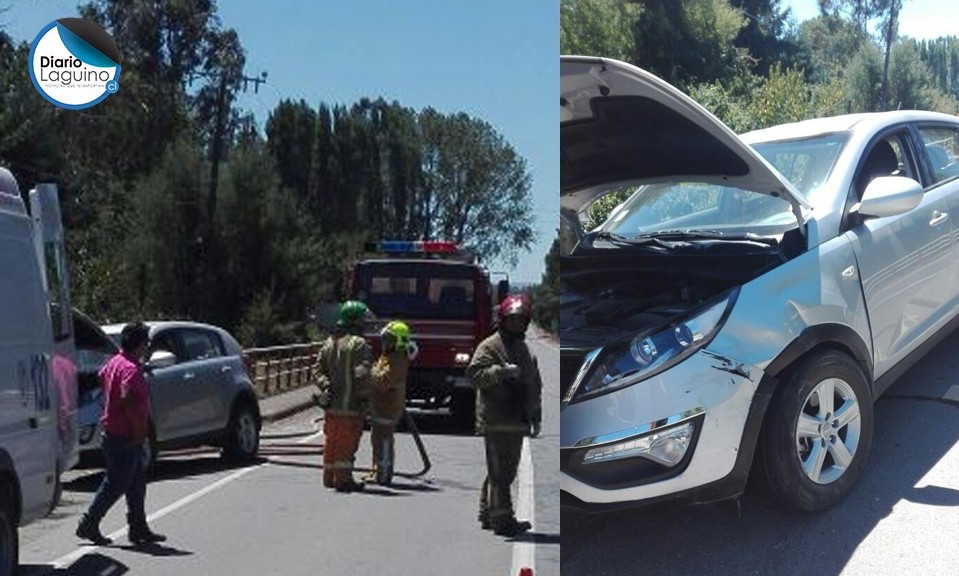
(901, 518)
(274, 517)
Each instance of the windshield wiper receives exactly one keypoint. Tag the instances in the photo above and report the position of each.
(705, 235)
(620, 240)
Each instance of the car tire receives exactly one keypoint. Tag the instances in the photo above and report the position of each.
(817, 432)
(243, 434)
(9, 544)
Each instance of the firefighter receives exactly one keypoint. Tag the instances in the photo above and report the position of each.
(389, 397)
(342, 374)
(508, 387)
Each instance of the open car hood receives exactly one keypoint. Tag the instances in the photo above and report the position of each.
(621, 124)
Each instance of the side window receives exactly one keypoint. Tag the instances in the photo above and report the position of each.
(167, 342)
(887, 157)
(941, 147)
(217, 344)
(199, 345)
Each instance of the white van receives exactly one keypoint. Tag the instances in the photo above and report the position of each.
(37, 370)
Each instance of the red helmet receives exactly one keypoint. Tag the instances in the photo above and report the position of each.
(513, 305)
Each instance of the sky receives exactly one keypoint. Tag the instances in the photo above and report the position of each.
(921, 19)
(495, 60)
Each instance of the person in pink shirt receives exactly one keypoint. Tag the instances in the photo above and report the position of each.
(125, 418)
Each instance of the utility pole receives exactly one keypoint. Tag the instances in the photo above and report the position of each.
(219, 132)
(217, 146)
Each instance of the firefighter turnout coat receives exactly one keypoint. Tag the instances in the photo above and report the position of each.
(505, 405)
(342, 371)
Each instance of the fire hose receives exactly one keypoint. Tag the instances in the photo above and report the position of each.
(285, 449)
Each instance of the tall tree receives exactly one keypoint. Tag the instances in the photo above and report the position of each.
(546, 304)
(598, 27)
(691, 41)
(863, 83)
(482, 191)
(909, 78)
(768, 35)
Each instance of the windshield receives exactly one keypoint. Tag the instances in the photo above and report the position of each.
(698, 206)
(689, 207)
(418, 290)
(805, 162)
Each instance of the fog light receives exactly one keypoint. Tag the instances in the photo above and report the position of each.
(462, 358)
(666, 448)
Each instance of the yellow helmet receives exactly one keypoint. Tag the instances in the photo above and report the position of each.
(396, 336)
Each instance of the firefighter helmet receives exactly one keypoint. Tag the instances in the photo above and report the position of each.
(396, 335)
(515, 305)
(352, 313)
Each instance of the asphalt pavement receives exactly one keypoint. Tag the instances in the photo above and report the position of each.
(273, 516)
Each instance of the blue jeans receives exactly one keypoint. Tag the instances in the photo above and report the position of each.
(124, 476)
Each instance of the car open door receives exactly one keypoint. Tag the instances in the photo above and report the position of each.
(50, 245)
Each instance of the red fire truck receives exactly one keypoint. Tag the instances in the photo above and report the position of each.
(448, 301)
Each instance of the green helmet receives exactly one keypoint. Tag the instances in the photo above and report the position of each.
(352, 313)
(396, 334)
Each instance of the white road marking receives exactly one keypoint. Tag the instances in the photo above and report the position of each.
(524, 552)
(67, 560)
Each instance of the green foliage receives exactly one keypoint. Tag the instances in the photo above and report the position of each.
(263, 323)
(600, 209)
(768, 35)
(731, 105)
(864, 80)
(176, 208)
(784, 98)
(392, 173)
(546, 295)
(598, 27)
(909, 78)
(828, 40)
(690, 42)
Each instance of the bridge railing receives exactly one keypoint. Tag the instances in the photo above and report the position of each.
(280, 368)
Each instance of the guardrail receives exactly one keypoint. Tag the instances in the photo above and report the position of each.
(280, 368)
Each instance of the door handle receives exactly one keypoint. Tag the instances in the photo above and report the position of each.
(188, 376)
(225, 369)
(938, 217)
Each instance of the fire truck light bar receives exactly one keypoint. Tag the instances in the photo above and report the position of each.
(418, 246)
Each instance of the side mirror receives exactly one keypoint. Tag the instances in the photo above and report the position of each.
(889, 196)
(502, 290)
(160, 359)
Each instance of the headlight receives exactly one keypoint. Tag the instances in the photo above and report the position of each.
(649, 352)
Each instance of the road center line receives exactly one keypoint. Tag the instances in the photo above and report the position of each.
(68, 559)
(524, 551)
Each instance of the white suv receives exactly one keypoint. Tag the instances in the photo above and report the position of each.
(752, 296)
(200, 392)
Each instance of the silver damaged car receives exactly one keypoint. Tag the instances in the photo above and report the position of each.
(746, 304)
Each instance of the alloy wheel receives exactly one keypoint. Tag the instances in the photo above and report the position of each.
(828, 431)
